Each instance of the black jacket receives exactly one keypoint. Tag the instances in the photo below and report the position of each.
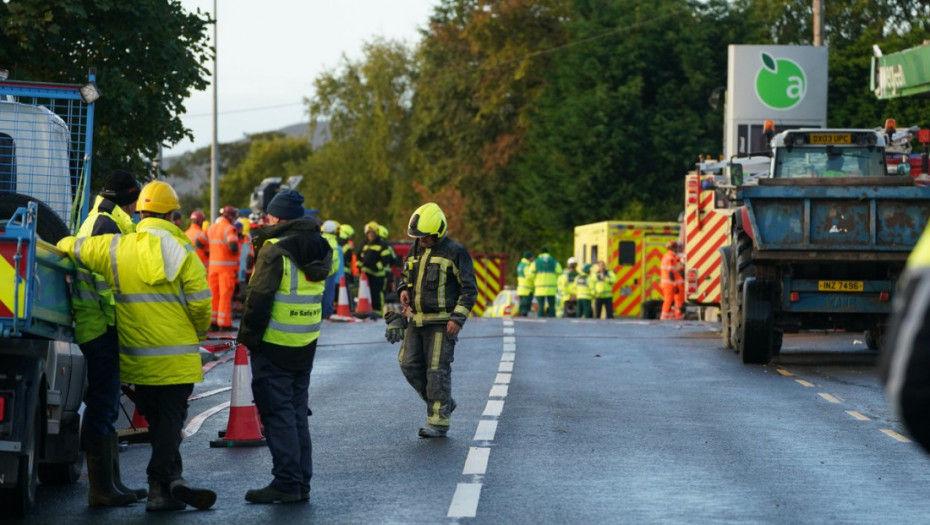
(440, 281)
(302, 242)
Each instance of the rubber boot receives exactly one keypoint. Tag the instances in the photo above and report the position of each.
(160, 499)
(100, 474)
(117, 479)
(195, 497)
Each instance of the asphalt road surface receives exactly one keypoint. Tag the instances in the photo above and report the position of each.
(563, 421)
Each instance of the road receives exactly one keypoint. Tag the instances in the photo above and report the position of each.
(567, 421)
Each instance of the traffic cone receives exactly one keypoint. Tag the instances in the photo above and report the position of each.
(138, 430)
(342, 305)
(363, 307)
(244, 427)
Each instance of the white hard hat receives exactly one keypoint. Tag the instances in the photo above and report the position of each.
(572, 260)
(330, 226)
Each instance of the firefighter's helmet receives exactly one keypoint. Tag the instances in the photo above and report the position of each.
(428, 220)
(371, 227)
(330, 226)
(346, 231)
(383, 232)
(158, 197)
(230, 212)
(198, 217)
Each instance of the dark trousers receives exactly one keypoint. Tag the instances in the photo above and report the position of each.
(546, 305)
(282, 400)
(103, 386)
(425, 359)
(329, 295)
(165, 409)
(526, 304)
(584, 308)
(376, 285)
(603, 304)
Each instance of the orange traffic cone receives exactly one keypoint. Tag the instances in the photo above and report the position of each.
(342, 305)
(243, 428)
(138, 430)
(363, 307)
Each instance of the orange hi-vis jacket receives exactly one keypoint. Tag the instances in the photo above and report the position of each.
(201, 243)
(671, 265)
(221, 234)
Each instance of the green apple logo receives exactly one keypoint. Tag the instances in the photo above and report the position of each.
(780, 83)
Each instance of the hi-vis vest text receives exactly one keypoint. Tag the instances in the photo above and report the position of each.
(298, 308)
(91, 297)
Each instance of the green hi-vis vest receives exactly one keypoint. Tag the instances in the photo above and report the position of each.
(298, 308)
(91, 297)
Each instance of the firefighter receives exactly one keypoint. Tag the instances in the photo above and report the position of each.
(198, 238)
(162, 311)
(604, 280)
(544, 272)
(525, 284)
(437, 290)
(566, 287)
(330, 233)
(583, 292)
(905, 363)
(375, 261)
(95, 333)
(280, 326)
(348, 252)
(224, 263)
(672, 300)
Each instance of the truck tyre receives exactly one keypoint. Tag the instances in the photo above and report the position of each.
(873, 339)
(778, 337)
(758, 323)
(725, 303)
(16, 501)
(49, 226)
(742, 264)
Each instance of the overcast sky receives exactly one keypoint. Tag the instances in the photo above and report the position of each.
(271, 50)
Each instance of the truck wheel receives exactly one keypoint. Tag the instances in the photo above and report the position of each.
(49, 227)
(742, 259)
(873, 339)
(778, 337)
(725, 322)
(757, 322)
(61, 473)
(15, 502)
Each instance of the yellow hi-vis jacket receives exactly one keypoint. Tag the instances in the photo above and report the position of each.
(603, 284)
(297, 312)
(544, 272)
(163, 301)
(91, 296)
(524, 281)
(582, 286)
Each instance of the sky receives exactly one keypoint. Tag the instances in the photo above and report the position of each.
(271, 51)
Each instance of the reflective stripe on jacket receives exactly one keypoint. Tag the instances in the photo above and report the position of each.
(545, 271)
(197, 236)
(524, 281)
(298, 307)
(669, 268)
(220, 234)
(604, 284)
(583, 286)
(440, 281)
(91, 297)
(375, 257)
(163, 301)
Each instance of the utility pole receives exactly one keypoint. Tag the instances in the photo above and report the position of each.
(818, 22)
(214, 147)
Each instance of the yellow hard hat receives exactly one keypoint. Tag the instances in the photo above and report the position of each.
(158, 197)
(427, 220)
(383, 231)
(346, 231)
(371, 227)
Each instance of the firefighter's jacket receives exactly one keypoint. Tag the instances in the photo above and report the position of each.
(905, 363)
(91, 297)
(544, 273)
(283, 305)
(163, 302)
(440, 281)
(524, 280)
(376, 257)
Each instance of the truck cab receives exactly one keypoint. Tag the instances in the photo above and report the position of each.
(817, 153)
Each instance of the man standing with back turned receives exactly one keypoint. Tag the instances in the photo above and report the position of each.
(438, 288)
(280, 325)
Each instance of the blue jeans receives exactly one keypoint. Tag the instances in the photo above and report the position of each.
(283, 404)
(103, 385)
(329, 295)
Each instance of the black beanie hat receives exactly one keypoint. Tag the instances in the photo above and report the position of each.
(121, 188)
(286, 205)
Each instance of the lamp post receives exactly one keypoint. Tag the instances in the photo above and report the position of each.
(214, 147)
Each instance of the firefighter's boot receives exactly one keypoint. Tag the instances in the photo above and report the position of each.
(102, 492)
(140, 493)
(195, 497)
(160, 499)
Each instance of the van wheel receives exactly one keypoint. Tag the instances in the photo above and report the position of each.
(14, 502)
(49, 226)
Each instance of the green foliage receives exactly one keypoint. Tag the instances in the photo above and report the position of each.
(149, 56)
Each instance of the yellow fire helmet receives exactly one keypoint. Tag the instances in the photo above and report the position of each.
(158, 197)
(428, 220)
(371, 227)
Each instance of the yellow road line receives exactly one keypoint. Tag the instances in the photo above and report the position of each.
(829, 398)
(804, 383)
(784, 372)
(895, 435)
(857, 415)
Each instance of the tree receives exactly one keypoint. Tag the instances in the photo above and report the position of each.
(270, 156)
(149, 56)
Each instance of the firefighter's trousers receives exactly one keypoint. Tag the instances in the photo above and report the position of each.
(222, 280)
(425, 359)
(672, 303)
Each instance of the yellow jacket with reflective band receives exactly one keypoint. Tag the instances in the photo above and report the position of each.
(524, 281)
(583, 286)
(163, 302)
(298, 307)
(604, 285)
(545, 272)
(566, 284)
(91, 297)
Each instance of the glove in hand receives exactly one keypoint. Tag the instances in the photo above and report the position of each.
(396, 324)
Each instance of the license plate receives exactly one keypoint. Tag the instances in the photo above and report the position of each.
(831, 138)
(839, 286)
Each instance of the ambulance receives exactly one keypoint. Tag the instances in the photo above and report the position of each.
(633, 251)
